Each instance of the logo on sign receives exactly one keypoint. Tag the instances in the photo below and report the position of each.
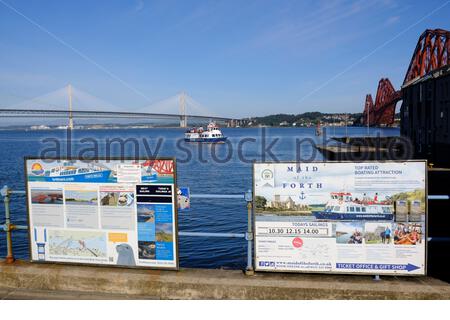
(267, 174)
(37, 169)
(297, 242)
(266, 264)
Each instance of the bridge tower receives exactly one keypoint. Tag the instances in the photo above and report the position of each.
(382, 112)
(69, 89)
(183, 118)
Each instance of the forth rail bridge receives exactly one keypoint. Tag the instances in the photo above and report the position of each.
(431, 59)
(425, 95)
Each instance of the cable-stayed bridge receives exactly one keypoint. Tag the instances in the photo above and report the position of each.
(71, 103)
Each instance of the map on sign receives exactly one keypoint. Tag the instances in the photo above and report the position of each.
(77, 243)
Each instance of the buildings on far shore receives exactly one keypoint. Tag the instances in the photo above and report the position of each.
(308, 119)
(288, 204)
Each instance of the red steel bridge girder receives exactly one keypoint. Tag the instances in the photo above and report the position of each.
(383, 111)
(160, 166)
(431, 53)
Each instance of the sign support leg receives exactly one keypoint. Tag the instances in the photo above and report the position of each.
(249, 271)
(8, 226)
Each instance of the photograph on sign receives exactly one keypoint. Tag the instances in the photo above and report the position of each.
(184, 199)
(341, 217)
(103, 211)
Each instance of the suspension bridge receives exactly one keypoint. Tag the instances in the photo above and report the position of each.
(72, 104)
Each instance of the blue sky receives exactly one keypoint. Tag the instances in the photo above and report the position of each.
(236, 58)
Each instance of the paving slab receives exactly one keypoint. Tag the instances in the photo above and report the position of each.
(33, 294)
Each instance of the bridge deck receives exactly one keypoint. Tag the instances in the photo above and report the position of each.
(23, 113)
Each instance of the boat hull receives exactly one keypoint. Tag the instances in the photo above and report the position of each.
(352, 216)
(206, 140)
(100, 176)
(149, 178)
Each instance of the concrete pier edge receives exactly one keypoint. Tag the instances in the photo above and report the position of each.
(213, 283)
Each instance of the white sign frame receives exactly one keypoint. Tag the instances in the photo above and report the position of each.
(366, 268)
(118, 199)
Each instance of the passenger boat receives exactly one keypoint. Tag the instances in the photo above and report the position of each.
(212, 134)
(68, 172)
(342, 206)
(149, 175)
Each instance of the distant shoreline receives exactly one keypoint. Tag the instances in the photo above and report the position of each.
(28, 129)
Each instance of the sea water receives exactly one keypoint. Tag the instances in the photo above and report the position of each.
(204, 168)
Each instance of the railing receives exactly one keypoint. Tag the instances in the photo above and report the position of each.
(9, 227)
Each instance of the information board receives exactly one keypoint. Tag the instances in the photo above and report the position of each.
(341, 217)
(103, 211)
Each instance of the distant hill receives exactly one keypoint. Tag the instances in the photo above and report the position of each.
(305, 119)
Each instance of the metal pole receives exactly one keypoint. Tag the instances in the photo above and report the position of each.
(249, 271)
(211, 234)
(439, 197)
(8, 227)
(217, 196)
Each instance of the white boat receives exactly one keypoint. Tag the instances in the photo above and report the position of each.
(212, 134)
(68, 172)
(342, 206)
(148, 174)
